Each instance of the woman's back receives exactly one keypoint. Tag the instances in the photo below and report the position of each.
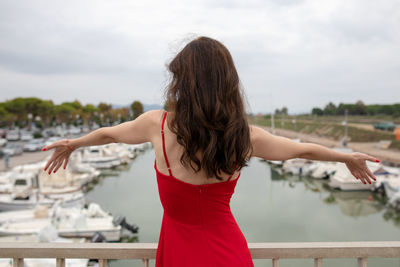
(198, 228)
(174, 151)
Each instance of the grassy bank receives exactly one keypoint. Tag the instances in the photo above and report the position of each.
(328, 127)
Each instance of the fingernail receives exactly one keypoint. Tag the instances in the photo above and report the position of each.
(44, 149)
(369, 182)
(364, 182)
(49, 172)
(54, 171)
(377, 160)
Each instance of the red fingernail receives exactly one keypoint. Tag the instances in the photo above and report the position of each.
(377, 160)
(44, 149)
(369, 182)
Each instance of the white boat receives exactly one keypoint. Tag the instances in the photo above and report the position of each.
(97, 158)
(5, 184)
(14, 202)
(69, 222)
(64, 179)
(119, 150)
(276, 163)
(77, 166)
(298, 166)
(392, 190)
(323, 169)
(343, 179)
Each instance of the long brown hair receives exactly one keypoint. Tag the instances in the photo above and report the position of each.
(209, 115)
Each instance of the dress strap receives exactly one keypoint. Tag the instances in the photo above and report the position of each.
(163, 144)
(233, 171)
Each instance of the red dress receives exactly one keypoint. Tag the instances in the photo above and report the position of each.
(198, 228)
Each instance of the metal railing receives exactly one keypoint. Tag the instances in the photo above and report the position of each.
(318, 251)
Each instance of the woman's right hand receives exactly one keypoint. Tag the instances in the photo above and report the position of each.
(63, 150)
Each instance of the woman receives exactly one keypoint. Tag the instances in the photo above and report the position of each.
(200, 147)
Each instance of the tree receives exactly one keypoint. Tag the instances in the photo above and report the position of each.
(360, 108)
(137, 109)
(317, 111)
(330, 109)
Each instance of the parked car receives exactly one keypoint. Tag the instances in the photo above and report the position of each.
(48, 133)
(34, 145)
(13, 135)
(74, 130)
(26, 136)
(3, 141)
(13, 149)
(387, 126)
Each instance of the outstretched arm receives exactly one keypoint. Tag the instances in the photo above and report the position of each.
(272, 147)
(137, 131)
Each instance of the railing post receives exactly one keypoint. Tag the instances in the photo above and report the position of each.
(362, 262)
(318, 262)
(145, 262)
(275, 262)
(102, 262)
(18, 262)
(60, 262)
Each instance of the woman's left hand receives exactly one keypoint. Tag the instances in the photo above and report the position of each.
(358, 167)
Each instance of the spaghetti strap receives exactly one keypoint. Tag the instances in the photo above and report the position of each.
(163, 144)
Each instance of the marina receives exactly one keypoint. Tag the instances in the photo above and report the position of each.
(114, 187)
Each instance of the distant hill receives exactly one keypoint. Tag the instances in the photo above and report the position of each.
(146, 107)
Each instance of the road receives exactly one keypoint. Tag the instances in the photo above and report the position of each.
(26, 157)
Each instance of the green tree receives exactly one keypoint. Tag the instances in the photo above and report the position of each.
(317, 111)
(330, 109)
(137, 109)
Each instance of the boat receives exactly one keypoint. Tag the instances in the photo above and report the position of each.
(392, 191)
(323, 169)
(34, 197)
(343, 179)
(119, 150)
(298, 166)
(97, 157)
(68, 222)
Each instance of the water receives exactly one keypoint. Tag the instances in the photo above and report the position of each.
(267, 208)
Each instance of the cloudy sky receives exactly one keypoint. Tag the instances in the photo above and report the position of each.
(293, 53)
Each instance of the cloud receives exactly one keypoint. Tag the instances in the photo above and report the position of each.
(300, 53)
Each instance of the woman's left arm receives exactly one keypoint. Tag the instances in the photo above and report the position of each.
(355, 162)
(273, 147)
